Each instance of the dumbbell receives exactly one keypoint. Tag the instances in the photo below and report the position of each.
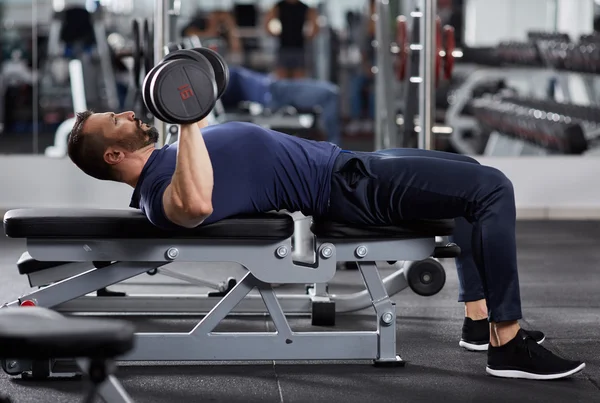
(184, 87)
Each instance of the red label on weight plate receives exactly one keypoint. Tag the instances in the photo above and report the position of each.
(185, 92)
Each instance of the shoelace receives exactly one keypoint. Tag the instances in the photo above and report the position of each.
(533, 348)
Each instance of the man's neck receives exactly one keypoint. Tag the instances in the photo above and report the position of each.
(133, 177)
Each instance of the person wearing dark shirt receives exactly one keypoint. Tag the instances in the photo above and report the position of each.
(302, 94)
(216, 172)
(293, 16)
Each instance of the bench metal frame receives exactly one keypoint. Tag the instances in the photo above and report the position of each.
(267, 261)
(201, 303)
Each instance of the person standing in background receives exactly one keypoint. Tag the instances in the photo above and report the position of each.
(293, 16)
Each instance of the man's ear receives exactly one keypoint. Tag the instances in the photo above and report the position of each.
(113, 156)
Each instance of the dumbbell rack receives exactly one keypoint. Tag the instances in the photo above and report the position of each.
(542, 61)
(540, 127)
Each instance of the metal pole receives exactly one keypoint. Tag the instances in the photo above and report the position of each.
(161, 29)
(35, 90)
(427, 70)
(385, 105)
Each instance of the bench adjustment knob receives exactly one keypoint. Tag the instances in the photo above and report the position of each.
(361, 251)
(387, 318)
(327, 251)
(282, 252)
(172, 253)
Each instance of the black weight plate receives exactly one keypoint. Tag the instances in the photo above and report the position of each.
(146, 92)
(148, 46)
(149, 92)
(137, 52)
(200, 59)
(179, 91)
(219, 67)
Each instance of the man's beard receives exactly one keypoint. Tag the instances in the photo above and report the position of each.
(140, 139)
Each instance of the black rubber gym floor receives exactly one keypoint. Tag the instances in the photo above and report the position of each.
(560, 281)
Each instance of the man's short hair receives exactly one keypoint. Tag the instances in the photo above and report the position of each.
(86, 150)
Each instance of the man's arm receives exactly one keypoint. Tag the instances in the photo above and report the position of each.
(187, 201)
(272, 14)
(313, 22)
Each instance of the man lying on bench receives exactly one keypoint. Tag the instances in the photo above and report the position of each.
(220, 171)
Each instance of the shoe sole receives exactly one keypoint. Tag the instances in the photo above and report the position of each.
(473, 347)
(527, 375)
(482, 347)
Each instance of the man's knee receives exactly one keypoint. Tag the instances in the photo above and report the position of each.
(470, 160)
(497, 179)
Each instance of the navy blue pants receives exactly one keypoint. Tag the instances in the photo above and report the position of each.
(388, 186)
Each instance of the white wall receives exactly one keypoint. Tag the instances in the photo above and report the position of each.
(575, 17)
(487, 22)
(36, 181)
(553, 187)
(546, 187)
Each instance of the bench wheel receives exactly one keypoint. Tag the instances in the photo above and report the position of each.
(426, 277)
(323, 313)
(11, 367)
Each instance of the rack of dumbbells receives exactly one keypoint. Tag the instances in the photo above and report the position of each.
(543, 63)
(525, 126)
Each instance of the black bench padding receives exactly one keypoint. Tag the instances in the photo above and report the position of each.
(37, 333)
(404, 230)
(131, 224)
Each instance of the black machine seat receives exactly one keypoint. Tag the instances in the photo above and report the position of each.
(405, 230)
(38, 333)
(128, 224)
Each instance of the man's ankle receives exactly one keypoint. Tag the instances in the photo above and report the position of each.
(503, 332)
(476, 310)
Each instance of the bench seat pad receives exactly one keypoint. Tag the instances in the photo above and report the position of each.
(132, 224)
(402, 230)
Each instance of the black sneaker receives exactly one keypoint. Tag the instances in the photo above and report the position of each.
(476, 335)
(523, 358)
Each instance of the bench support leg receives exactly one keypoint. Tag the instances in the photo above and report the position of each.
(85, 283)
(385, 310)
(274, 309)
(235, 296)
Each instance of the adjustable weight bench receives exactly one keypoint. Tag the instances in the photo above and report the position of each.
(30, 337)
(129, 245)
(425, 277)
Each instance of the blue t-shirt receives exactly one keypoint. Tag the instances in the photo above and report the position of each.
(255, 170)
